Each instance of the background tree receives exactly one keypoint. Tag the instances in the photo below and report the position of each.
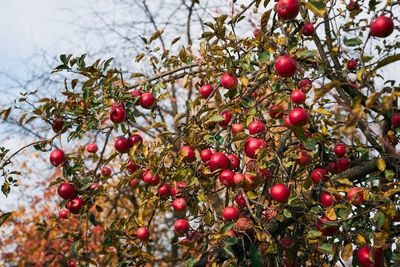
(311, 181)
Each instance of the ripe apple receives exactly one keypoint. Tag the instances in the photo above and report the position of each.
(252, 145)
(280, 193)
(134, 183)
(57, 125)
(382, 27)
(351, 64)
(142, 233)
(205, 155)
(270, 212)
(332, 167)
(308, 29)
(327, 231)
(256, 32)
(237, 128)
(132, 167)
(117, 114)
(286, 243)
(147, 100)
(150, 179)
(244, 225)
(256, 127)
(136, 93)
(326, 200)
(181, 227)
(304, 159)
(298, 96)
(319, 174)
(363, 257)
(230, 213)
(164, 190)
(298, 117)
(353, 5)
(66, 191)
(340, 150)
(105, 171)
(240, 201)
(352, 192)
(218, 160)
(91, 148)
(75, 205)
(396, 120)
(229, 81)
(233, 162)
(250, 182)
(93, 186)
(188, 153)
(239, 179)
(64, 214)
(266, 174)
(225, 122)
(288, 9)
(286, 66)
(288, 123)
(276, 112)
(305, 83)
(206, 90)
(136, 138)
(57, 157)
(342, 164)
(122, 144)
(226, 178)
(72, 263)
(178, 188)
(179, 205)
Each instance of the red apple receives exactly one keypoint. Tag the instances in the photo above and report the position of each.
(239, 179)
(266, 174)
(308, 29)
(188, 153)
(244, 225)
(342, 164)
(134, 183)
(218, 160)
(136, 138)
(288, 123)
(319, 174)
(326, 231)
(179, 205)
(132, 167)
(93, 186)
(298, 117)
(340, 150)
(117, 114)
(66, 191)
(276, 112)
(351, 64)
(332, 167)
(105, 171)
(226, 178)
(234, 162)
(353, 5)
(240, 201)
(252, 145)
(91, 148)
(382, 27)
(326, 200)
(298, 96)
(164, 190)
(250, 182)
(178, 187)
(206, 90)
(270, 212)
(396, 120)
(288, 9)
(57, 125)
(286, 66)
(256, 32)
(304, 159)
(363, 257)
(64, 214)
(72, 263)
(286, 243)
(229, 81)
(147, 100)
(122, 144)
(236, 128)
(181, 227)
(205, 155)
(225, 122)
(280, 193)
(142, 233)
(150, 179)
(230, 213)
(57, 157)
(75, 205)
(136, 93)
(256, 127)
(305, 83)
(352, 192)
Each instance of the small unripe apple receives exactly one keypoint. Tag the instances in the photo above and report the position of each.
(352, 192)
(326, 200)
(396, 120)
(256, 127)
(305, 83)
(288, 9)
(179, 205)
(239, 179)
(230, 213)
(286, 66)
(57, 125)
(105, 171)
(276, 112)
(319, 174)
(256, 32)
(280, 193)
(226, 178)
(340, 150)
(240, 201)
(326, 231)
(382, 27)
(351, 64)
(181, 227)
(298, 117)
(225, 122)
(206, 90)
(218, 160)
(150, 179)
(136, 93)
(229, 81)
(66, 191)
(237, 128)
(57, 157)
(178, 187)
(147, 100)
(308, 29)
(142, 233)
(298, 96)
(117, 114)
(188, 153)
(122, 144)
(364, 257)
(164, 190)
(75, 205)
(91, 148)
(136, 139)
(64, 214)
(205, 155)
(342, 164)
(252, 145)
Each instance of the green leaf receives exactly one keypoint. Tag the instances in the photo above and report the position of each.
(215, 118)
(263, 57)
(74, 248)
(228, 250)
(326, 248)
(312, 234)
(352, 41)
(231, 240)
(227, 227)
(379, 219)
(192, 262)
(310, 143)
(317, 7)
(287, 213)
(4, 217)
(255, 256)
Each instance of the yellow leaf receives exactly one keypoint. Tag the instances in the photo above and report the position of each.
(391, 192)
(323, 111)
(324, 130)
(317, 7)
(344, 181)
(330, 213)
(360, 74)
(371, 99)
(347, 252)
(360, 240)
(381, 164)
(244, 81)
